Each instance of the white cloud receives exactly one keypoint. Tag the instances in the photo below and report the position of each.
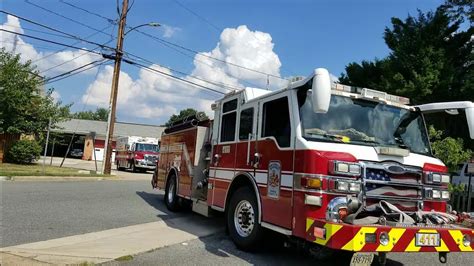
(243, 47)
(151, 95)
(169, 31)
(69, 59)
(154, 96)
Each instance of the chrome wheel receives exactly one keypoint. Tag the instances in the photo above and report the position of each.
(171, 191)
(244, 218)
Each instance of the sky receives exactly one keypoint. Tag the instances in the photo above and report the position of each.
(219, 44)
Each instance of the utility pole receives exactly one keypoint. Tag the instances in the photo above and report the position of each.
(107, 165)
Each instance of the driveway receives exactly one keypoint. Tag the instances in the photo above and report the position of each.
(90, 165)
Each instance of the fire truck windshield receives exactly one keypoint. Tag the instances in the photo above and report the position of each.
(147, 147)
(363, 122)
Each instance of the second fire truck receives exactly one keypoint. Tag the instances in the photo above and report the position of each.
(329, 166)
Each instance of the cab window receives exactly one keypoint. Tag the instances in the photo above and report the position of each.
(276, 121)
(229, 117)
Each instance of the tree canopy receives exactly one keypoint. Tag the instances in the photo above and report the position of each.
(25, 107)
(100, 114)
(182, 114)
(430, 60)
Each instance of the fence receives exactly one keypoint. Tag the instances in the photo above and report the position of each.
(462, 201)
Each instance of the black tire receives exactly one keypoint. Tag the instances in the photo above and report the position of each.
(117, 163)
(244, 229)
(172, 200)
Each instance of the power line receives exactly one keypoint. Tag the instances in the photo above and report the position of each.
(39, 31)
(61, 50)
(50, 41)
(55, 30)
(172, 76)
(78, 72)
(215, 83)
(49, 80)
(35, 45)
(72, 59)
(111, 21)
(67, 18)
(168, 43)
(218, 29)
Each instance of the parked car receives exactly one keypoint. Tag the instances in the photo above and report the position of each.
(76, 153)
(461, 177)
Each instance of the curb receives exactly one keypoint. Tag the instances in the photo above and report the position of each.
(59, 178)
(5, 178)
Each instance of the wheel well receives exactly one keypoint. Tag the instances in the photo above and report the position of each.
(238, 182)
(172, 171)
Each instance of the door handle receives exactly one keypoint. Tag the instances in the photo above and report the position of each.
(256, 160)
(216, 158)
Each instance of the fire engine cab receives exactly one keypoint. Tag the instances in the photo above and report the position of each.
(331, 166)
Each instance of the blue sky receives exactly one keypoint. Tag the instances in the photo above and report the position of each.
(304, 35)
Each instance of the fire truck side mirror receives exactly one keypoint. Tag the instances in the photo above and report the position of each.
(321, 90)
(470, 121)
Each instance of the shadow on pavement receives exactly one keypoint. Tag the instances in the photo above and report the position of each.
(221, 246)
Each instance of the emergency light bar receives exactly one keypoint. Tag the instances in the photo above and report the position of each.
(371, 94)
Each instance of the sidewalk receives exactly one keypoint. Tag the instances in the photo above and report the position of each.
(111, 244)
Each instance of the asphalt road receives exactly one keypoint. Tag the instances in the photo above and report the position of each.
(35, 211)
(219, 250)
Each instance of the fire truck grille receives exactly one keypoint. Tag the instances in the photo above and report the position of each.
(151, 159)
(403, 188)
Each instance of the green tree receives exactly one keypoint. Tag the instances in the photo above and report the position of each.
(449, 150)
(24, 105)
(100, 114)
(430, 59)
(24, 152)
(182, 114)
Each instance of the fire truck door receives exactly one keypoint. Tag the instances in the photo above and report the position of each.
(224, 153)
(275, 151)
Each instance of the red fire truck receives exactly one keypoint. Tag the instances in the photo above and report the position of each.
(332, 167)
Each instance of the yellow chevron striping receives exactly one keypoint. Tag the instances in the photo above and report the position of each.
(394, 235)
(331, 229)
(358, 241)
(442, 246)
(457, 236)
(309, 222)
(411, 247)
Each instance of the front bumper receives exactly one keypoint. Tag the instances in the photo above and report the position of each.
(401, 239)
(145, 164)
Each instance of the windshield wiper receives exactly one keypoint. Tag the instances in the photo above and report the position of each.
(329, 136)
(366, 141)
(400, 142)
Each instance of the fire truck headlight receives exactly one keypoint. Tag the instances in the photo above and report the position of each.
(436, 194)
(384, 239)
(466, 240)
(345, 168)
(445, 194)
(445, 179)
(354, 187)
(342, 185)
(436, 178)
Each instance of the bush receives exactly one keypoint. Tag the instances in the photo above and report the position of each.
(24, 152)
